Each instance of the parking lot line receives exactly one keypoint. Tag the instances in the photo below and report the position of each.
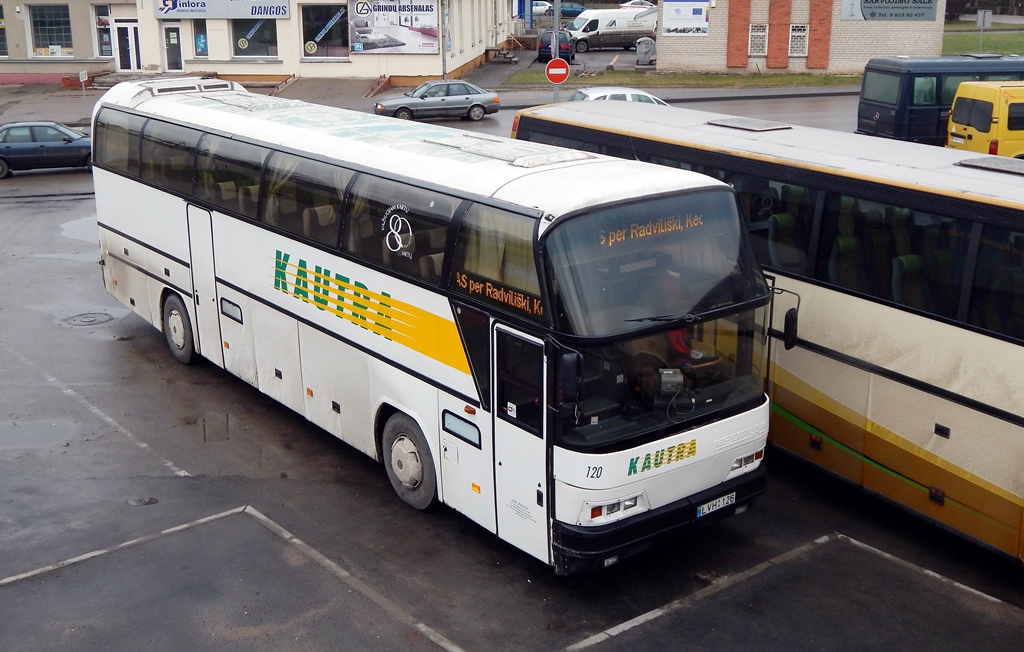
(354, 583)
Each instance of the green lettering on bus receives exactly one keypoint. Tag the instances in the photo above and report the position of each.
(301, 286)
(281, 271)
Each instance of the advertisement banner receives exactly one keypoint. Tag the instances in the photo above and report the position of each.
(685, 18)
(888, 10)
(393, 28)
(195, 9)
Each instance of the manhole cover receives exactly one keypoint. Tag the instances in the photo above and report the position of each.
(136, 502)
(89, 319)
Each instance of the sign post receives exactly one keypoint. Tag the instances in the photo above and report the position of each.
(556, 71)
(984, 20)
(83, 75)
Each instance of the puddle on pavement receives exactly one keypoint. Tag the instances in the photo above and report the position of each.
(35, 434)
(82, 229)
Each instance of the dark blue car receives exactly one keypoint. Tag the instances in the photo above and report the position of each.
(35, 145)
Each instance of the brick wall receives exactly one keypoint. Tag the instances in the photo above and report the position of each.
(834, 46)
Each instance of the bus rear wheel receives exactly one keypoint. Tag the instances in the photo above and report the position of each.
(178, 330)
(408, 462)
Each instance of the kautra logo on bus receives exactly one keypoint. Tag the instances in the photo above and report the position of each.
(331, 293)
(662, 457)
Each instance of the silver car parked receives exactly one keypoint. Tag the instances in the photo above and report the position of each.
(440, 99)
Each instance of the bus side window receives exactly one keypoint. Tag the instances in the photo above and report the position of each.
(496, 250)
(475, 327)
(520, 377)
(400, 227)
(306, 197)
(168, 155)
(997, 302)
(227, 166)
(116, 142)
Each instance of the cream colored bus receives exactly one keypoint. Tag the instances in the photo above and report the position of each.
(908, 261)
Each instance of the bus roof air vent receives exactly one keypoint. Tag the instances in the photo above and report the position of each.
(749, 124)
(996, 164)
(190, 86)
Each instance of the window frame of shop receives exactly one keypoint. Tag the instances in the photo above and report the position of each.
(199, 29)
(315, 18)
(46, 23)
(253, 28)
(3, 34)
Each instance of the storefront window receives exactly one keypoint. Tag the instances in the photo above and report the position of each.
(254, 38)
(199, 38)
(325, 30)
(51, 31)
(104, 42)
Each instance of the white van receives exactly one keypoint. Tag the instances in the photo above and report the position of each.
(612, 28)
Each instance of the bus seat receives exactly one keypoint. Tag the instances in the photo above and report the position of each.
(248, 200)
(794, 200)
(938, 268)
(407, 258)
(320, 223)
(908, 287)
(438, 238)
(926, 239)
(1004, 303)
(898, 220)
(784, 246)
(846, 218)
(360, 232)
(845, 268)
(225, 191)
(430, 267)
(878, 252)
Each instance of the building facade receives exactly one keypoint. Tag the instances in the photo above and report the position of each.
(46, 40)
(408, 40)
(793, 36)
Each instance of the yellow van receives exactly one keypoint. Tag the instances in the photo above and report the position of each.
(988, 117)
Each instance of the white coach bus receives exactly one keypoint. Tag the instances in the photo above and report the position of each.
(568, 348)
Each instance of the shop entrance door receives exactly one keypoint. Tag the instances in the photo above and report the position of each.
(128, 56)
(172, 47)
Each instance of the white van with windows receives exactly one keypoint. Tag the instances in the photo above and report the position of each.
(612, 28)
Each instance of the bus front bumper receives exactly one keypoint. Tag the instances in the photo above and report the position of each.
(579, 549)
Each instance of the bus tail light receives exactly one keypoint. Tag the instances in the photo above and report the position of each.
(993, 146)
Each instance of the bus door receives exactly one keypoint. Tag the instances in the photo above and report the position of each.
(204, 285)
(520, 459)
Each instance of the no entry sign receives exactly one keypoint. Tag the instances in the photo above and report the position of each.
(557, 71)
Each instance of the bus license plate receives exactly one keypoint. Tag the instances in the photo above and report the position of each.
(959, 140)
(717, 503)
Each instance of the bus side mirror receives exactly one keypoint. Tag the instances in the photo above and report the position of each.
(789, 333)
(568, 376)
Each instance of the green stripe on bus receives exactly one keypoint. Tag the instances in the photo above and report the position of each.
(803, 425)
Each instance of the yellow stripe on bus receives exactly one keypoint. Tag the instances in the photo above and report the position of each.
(393, 319)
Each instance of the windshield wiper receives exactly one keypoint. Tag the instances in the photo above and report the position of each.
(688, 317)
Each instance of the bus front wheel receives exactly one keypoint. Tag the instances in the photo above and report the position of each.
(408, 462)
(178, 330)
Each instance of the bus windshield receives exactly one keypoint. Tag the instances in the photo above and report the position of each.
(676, 258)
(673, 278)
(676, 379)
